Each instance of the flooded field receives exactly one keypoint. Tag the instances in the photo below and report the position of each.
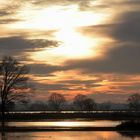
(68, 135)
(98, 123)
(72, 135)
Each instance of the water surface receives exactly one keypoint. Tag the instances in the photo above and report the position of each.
(98, 123)
(69, 135)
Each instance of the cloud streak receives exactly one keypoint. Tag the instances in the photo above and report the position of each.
(16, 45)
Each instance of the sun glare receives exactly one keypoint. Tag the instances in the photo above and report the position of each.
(72, 46)
(57, 17)
(64, 20)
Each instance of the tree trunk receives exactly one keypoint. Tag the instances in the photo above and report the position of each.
(3, 118)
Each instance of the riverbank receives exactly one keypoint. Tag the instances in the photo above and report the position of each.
(100, 115)
(129, 125)
(40, 129)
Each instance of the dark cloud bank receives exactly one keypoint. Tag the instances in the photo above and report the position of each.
(19, 45)
(123, 57)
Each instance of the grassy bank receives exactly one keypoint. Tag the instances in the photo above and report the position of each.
(37, 129)
(68, 115)
(129, 125)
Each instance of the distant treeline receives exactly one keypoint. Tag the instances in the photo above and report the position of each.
(57, 102)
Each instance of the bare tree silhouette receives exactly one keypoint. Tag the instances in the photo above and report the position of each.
(84, 103)
(134, 102)
(79, 101)
(13, 77)
(56, 101)
(89, 104)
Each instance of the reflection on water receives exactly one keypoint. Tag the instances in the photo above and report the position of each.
(101, 123)
(130, 134)
(68, 135)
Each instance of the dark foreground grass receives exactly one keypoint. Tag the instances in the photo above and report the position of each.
(60, 115)
(129, 125)
(38, 129)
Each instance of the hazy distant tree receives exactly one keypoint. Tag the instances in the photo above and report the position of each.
(104, 106)
(79, 101)
(89, 104)
(56, 101)
(82, 102)
(13, 77)
(38, 106)
(10, 106)
(134, 102)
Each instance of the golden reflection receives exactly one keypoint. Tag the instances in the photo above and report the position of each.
(106, 135)
(100, 123)
(68, 135)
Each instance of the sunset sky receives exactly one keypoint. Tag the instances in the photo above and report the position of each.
(89, 47)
